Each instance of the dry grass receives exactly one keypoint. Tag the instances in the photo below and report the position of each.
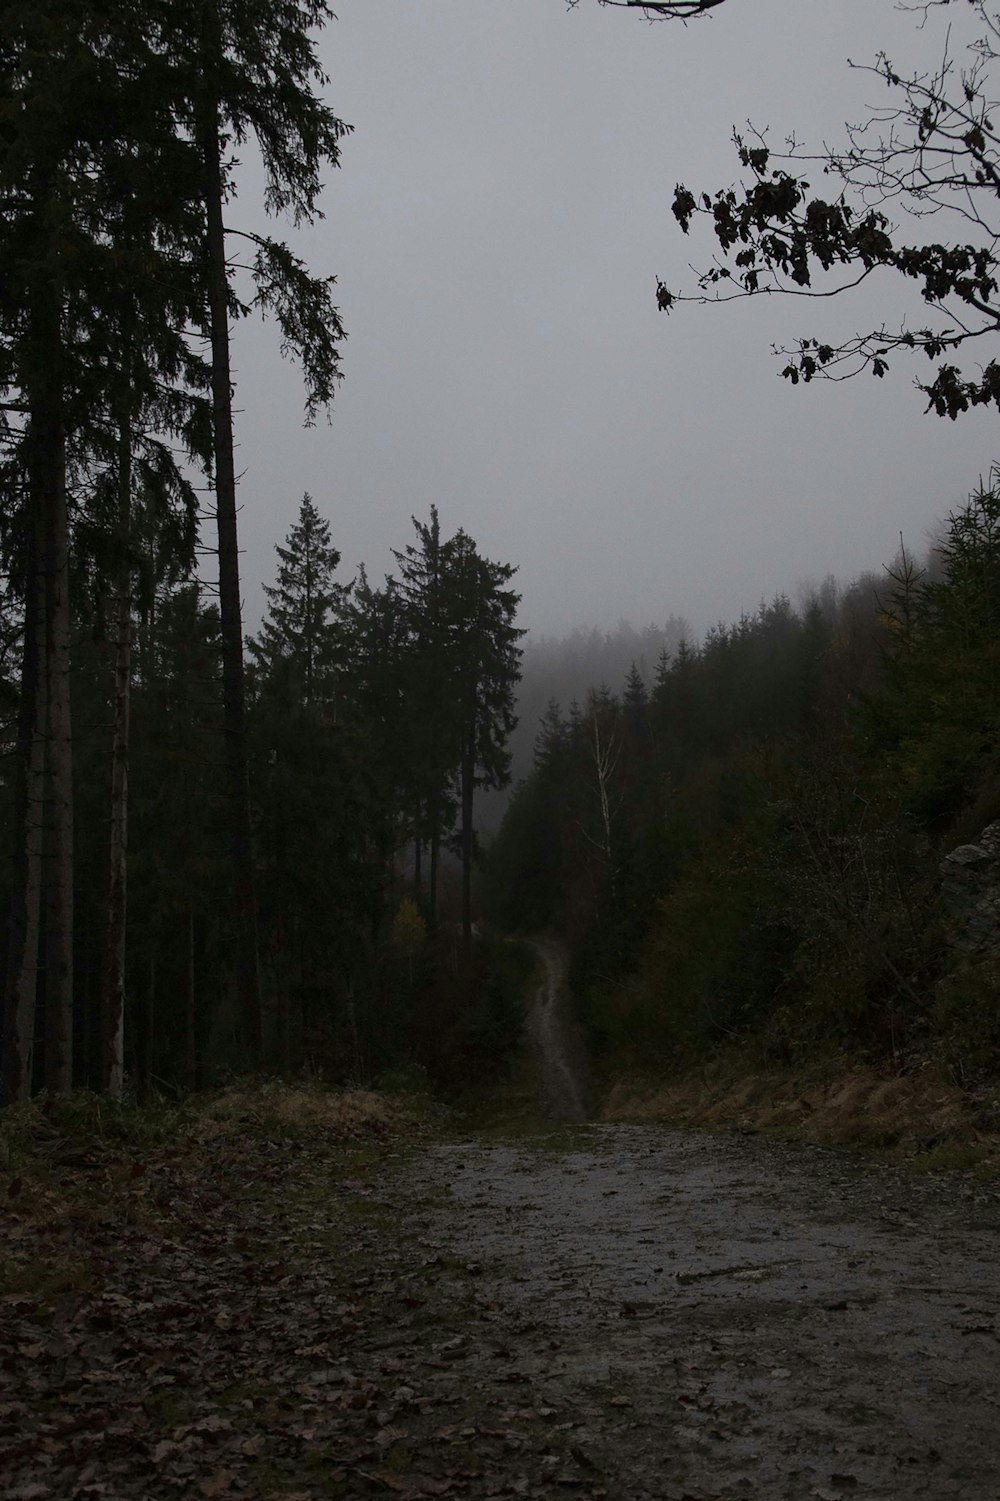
(906, 1115)
(64, 1141)
(301, 1110)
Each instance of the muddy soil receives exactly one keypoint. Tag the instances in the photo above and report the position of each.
(689, 1316)
(613, 1313)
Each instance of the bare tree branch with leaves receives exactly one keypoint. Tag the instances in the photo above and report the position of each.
(660, 10)
(932, 154)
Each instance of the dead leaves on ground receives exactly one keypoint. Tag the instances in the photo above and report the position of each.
(237, 1317)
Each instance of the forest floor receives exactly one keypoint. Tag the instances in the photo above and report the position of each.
(296, 1296)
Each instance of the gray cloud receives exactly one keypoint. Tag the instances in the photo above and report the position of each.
(497, 227)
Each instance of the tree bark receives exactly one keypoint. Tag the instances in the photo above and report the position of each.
(47, 482)
(432, 879)
(59, 757)
(468, 834)
(21, 981)
(233, 686)
(190, 1012)
(112, 997)
(148, 1030)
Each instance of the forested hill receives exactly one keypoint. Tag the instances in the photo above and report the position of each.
(564, 669)
(749, 845)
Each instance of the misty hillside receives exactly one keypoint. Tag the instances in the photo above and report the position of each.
(788, 843)
(564, 670)
(567, 668)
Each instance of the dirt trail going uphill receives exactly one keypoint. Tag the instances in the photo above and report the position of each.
(687, 1317)
(557, 1051)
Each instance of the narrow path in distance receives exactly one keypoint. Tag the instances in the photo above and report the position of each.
(557, 1050)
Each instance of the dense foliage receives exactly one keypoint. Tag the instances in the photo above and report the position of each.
(749, 849)
(360, 972)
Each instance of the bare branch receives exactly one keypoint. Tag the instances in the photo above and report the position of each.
(933, 152)
(660, 10)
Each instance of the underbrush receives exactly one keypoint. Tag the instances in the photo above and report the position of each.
(45, 1133)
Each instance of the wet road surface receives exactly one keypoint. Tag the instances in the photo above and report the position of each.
(705, 1316)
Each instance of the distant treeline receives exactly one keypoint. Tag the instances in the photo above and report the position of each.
(564, 669)
(745, 845)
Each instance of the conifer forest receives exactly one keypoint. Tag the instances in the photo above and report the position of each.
(443, 1052)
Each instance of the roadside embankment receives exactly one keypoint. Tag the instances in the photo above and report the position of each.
(919, 1116)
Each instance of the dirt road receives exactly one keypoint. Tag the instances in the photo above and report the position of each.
(685, 1316)
(647, 1313)
(615, 1313)
(557, 1050)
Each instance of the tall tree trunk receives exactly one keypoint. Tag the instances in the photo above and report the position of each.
(605, 755)
(148, 1029)
(468, 835)
(112, 996)
(233, 687)
(44, 866)
(21, 981)
(432, 877)
(59, 757)
(190, 1012)
(47, 478)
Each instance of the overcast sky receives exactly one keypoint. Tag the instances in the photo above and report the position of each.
(497, 227)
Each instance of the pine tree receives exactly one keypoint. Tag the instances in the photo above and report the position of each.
(303, 634)
(257, 73)
(484, 662)
(430, 706)
(179, 913)
(93, 318)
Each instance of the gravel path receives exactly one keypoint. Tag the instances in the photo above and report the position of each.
(697, 1317)
(613, 1313)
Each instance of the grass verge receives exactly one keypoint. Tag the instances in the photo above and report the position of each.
(920, 1118)
(76, 1171)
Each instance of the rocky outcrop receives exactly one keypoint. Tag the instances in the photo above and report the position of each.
(970, 893)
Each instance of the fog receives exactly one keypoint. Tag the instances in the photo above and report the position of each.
(497, 228)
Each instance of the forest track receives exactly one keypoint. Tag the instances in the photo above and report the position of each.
(686, 1317)
(556, 1048)
(615, 1313)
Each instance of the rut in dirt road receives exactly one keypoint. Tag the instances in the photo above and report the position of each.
(553, 1039)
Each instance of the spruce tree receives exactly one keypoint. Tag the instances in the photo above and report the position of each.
(431, 706)
(303, 634)
(483, 669)
(85, 236)
(255, 73)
